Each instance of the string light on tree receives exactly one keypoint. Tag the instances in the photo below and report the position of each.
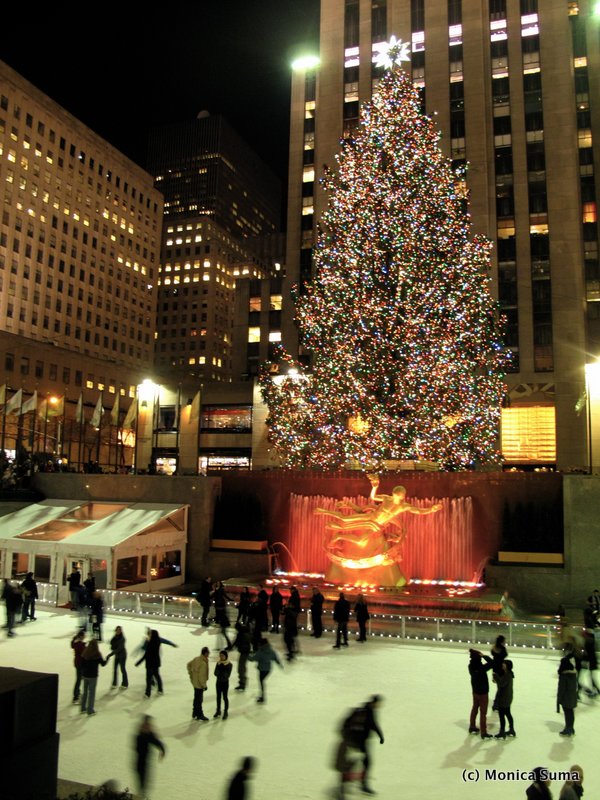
(399, 320)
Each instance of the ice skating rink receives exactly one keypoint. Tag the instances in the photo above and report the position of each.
(424, 717)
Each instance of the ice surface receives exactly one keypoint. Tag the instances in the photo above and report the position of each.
(424, 718)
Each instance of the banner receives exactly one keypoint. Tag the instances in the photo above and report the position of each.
(30, 405)
(14, 404)
(97, 415)
(114, 414)
(79, 413)
(131, 416)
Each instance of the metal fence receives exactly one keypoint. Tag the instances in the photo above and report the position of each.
(404, 627)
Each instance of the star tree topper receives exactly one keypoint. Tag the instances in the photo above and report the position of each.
(393, 52)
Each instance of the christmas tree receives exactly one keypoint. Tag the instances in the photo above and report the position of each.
(403, 332)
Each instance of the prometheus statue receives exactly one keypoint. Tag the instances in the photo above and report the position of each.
(364, 547)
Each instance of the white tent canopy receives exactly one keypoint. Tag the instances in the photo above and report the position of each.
(125, 545)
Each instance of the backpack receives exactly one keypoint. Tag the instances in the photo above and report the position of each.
(354, 727)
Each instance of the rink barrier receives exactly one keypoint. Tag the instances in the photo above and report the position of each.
(405, 627)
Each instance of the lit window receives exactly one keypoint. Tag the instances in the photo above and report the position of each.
(274, 336)
(191, 360)
(308, 174)
(275, 302)
(589, 212)
(202, 359)
(89, 384)
(584, 137)
(255, 304)
(254, 335)
(580, 62)
(529, 434)
(100, 386)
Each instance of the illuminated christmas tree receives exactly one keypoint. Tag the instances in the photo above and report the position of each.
(403, 332)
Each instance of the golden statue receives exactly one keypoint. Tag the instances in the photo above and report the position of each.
(359, 549)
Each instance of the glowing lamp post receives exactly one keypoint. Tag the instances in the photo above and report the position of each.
(592, 382)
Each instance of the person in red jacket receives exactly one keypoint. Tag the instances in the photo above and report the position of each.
(78, 646)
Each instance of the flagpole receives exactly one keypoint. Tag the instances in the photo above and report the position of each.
(18, 446)
(3, 422)
(198, 431)
(81, 422)
(45, 425)
(100, 431)
(178, 419)
(137, 418)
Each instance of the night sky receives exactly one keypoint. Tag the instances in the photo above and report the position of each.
(121, 73)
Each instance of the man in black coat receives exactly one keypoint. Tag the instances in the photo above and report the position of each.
(204, 598)
(357, 730)
(316, 612)
(237, 786)
(341, 615)
(275, 604)
(30, 595)
(481, 690)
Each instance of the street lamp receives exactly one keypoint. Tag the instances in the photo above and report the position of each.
(592, 387)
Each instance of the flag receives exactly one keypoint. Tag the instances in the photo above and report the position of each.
(131, 416)
(79, 414)
(114, 414)
(195, 408)
(2, 394)
(97, 415)
(30, 405)
(14, 404)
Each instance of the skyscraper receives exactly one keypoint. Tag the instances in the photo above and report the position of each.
(512, 85)
(221, 202)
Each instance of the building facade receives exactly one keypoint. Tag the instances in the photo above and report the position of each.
(79, 255)
(221, 218)
(513, 85)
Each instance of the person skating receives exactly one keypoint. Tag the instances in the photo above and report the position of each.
(30, 595)
(275, 605)
(290, 630)
(151, 657)
(91, 660)
(242, 644)
(204, 598)
(357, 729)
(316, 612)
(97, 614)
(504, 697)
(220, 598)
(144, 739)
(78, 646)
(566, 696)
(118, 651)
(222, 673)
(294, 600)
(13, 600)
(244, 603)
(498, 653)
(264, 657)
(341, 615)
(572, 789)
(481, 690)
(361, 612)
(590, 660)
(237, 785)
(198, 671)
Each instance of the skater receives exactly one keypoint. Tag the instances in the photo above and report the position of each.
(540, 788)
(341, 615)
(242, 644)
(204, 596)
(13, 600)
(356, 731)
(78, 646)
(144, 738)
(573, 788)
(316, 612)
(590, 659)
(91, 659)
(567, 690)
(198, 671)
(220, 598)
(237, 786)
(275, 604)
(294, 600)
(119, 653)
(264, 657)
(30, 595)
(504, 697)
(498, 653)
(244, 603)
(361, 612)
(97, 614)
(290, 630)
(345, 762)
(74, 581)
(481, 690)
(151, 657)
(223, 673)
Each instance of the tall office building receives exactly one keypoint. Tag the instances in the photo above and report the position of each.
(222, 203)
(79, 252)
(514, 87)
